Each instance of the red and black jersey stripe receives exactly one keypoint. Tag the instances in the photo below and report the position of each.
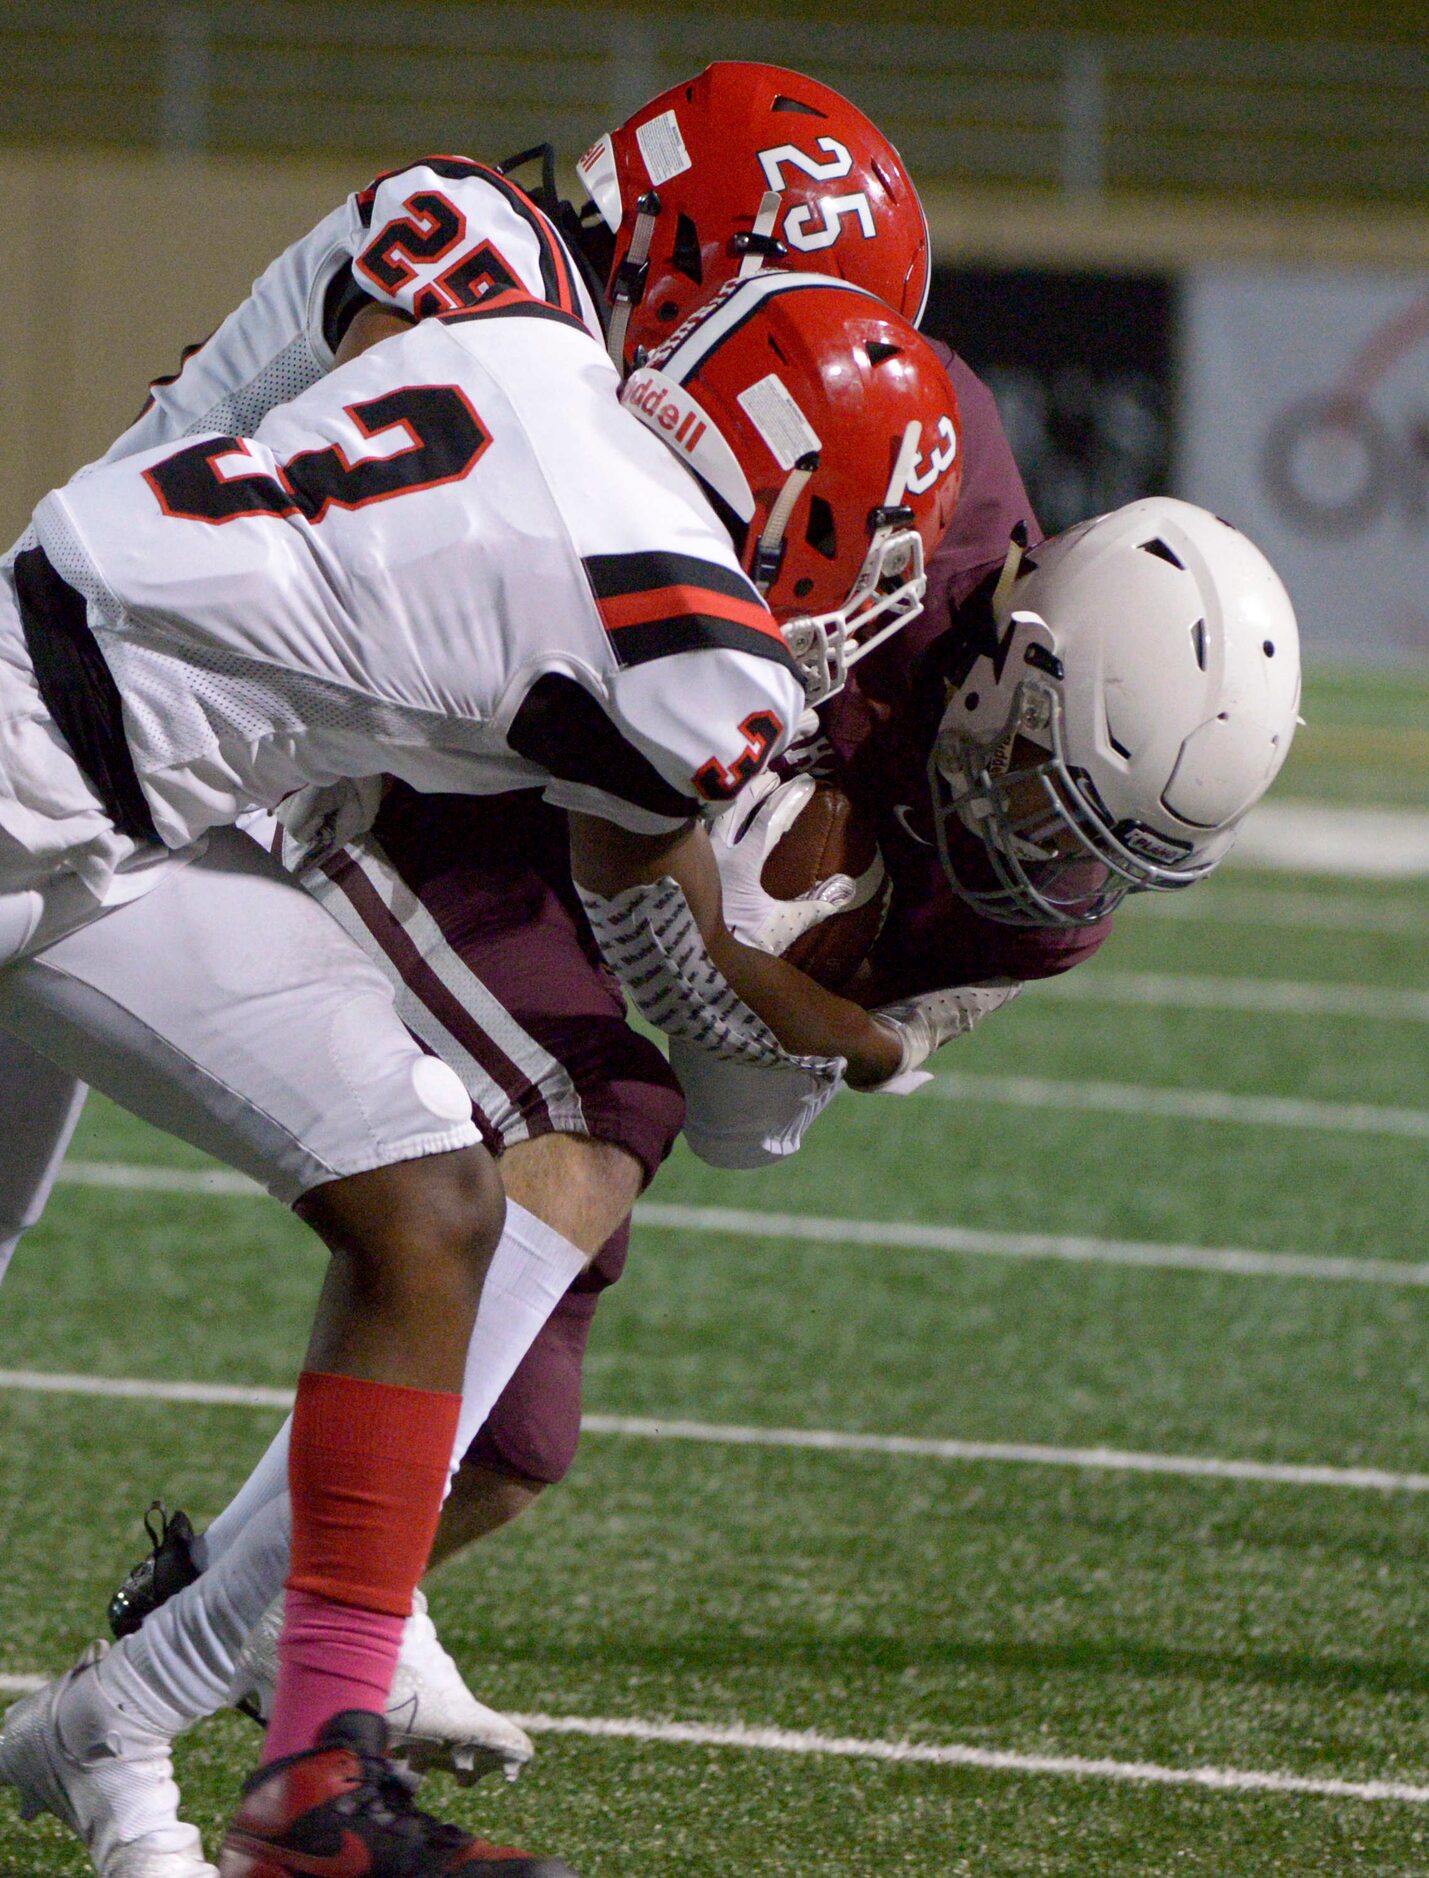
(517, 304)
(656, 604)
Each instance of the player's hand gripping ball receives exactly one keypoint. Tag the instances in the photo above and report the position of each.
(802, 876)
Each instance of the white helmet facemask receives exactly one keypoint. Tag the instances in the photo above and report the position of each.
(887, 594)
(1050, 854)
(1112, 741)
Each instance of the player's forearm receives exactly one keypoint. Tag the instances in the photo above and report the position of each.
(806, 1019)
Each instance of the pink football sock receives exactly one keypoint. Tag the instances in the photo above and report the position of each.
(367, 1468)
(331, 1657)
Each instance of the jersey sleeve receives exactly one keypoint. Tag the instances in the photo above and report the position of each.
(704, 686)
(994, 499)
(442, 234)
(271, 347)
(448, 234)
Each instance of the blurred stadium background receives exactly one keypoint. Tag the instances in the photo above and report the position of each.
(1187, 258)
(1169, 1212)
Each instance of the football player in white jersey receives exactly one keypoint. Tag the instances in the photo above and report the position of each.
(458, 561)
(451, 235)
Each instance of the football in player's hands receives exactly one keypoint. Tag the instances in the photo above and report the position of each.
(830, 854)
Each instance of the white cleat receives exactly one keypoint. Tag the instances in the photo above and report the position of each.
(436, 1723)
(69, 1750)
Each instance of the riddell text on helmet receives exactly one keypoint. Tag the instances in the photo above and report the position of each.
(663, 408)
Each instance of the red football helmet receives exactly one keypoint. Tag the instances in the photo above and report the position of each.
(744, 166)
(826, 433)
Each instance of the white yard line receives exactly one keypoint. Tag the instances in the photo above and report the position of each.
(145, 1389)
(1265, 996)
(129, 1178)
(956, 1754)
(972, 1241)
(1323, 838)
(819, 1440)
(897, 1235)
(1196, 1105)
(1009, 1453)
(761, 1740)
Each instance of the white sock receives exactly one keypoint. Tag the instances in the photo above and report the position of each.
(268, 1481)
(531, 1270)
(179, 1666)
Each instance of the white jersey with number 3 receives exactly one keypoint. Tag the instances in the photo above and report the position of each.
(456, 560)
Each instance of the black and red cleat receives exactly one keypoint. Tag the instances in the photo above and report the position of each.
(343, 1810)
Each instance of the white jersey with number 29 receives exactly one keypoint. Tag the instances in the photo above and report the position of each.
(456, 560)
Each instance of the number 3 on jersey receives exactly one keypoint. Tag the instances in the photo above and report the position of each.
(204, 483)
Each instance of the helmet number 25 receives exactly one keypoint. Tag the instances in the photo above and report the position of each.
(832, 210)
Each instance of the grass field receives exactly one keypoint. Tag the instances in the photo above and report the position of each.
(1050, 1605)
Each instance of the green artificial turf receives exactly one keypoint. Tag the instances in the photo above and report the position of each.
(1040, 1609)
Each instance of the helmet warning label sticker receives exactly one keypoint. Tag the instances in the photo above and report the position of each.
(776, 416)
(663, 148)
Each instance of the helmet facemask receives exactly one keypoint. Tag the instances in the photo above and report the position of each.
(1050, 853)
(887, 593)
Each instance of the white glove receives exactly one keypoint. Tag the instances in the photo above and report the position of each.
(743, 837)
(739, 1115)
(923, 1024)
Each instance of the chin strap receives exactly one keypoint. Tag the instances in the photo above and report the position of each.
(628, 287)
(1011, 566)
(769, 549)
(903, 465)
(759, 246)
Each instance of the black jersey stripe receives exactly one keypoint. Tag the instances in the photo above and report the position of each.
(613, 575)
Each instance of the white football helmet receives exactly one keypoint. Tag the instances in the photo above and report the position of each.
(1134, 696)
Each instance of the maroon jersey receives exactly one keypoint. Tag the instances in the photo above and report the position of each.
(880, 730)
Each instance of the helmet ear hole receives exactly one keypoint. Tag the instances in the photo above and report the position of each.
(686, 255)
(821, 534)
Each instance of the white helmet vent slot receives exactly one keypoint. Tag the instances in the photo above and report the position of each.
(1198, 642)
(1159, 548)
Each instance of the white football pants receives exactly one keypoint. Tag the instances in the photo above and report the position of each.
(226, 1007)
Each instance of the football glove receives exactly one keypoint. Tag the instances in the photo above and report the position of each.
(743, 837)
(925, 1023)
